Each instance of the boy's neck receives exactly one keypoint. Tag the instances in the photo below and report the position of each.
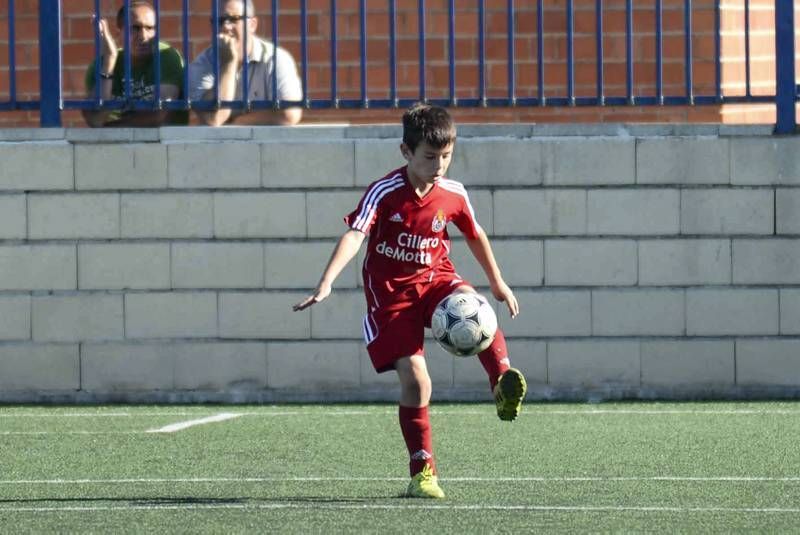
(421, 187)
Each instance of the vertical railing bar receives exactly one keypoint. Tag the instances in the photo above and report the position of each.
(393, 52)
(128, 56)
(747, 47)
(570, 52)
(245, 61)
(659, 52)
(717, 50)
(50, 62)
(334, 90)
(540, 51)
(512, 82)
(421, 15)
(215, 48)
(786, 85)
(304, 50)
(186, 54)
(482, 51)
(688, 48)
(629, 51)
(276, 101)
(98, 63)
(363, 31)
(451, 44)
(157, 57)
(599, 47)
(12, 58)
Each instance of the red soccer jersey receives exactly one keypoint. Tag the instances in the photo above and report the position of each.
(408, 240)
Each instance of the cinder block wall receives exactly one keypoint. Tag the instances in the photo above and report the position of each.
(161, 265)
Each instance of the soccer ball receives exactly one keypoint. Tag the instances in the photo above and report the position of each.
(464, 323)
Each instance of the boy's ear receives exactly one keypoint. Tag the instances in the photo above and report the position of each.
(406, 152)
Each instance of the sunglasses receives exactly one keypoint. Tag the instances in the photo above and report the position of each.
(229, 19)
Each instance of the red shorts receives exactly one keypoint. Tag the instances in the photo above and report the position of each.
(396, 329)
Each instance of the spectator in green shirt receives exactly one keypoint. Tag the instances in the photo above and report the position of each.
(112, 72)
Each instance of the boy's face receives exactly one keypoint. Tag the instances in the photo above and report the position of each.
(427, 164)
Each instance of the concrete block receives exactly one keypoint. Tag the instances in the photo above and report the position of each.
(326, 212)
(226, 367)
(684, 262)
(217, 265)
(482, 202)
(440, 366)
(590, 262)
(167, 215)
(259, 215)
(171, 315)
(768, 362)
(787, 211)
(339, 316)
(39, 367)
(15, 317)
(375, 158)
(633, 212)
(127, 367)
(373, 131)
(105, 136)
(593, 363)
(38, 267)
(36, 166)
(13, 217)
(716, 211)
(638, 312)
(688, 362)
(589, 161)
(32, 134)
(313, 366)
(731, 312)
(539, 212)
(121, 167)
(690, 160)
(74, 216)
(214, 165)
(497, 162)
(298, 164)
(765, 160)
(303, 132)
(179, 134)
(300, 265)
(263, 315)
(521, 262)
(528, 356)
(768, 261)
(549, 313)
(790, 310)
(119, 266)
(77, 318)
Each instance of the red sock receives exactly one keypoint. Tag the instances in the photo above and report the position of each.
(416, 429)
(495, 358)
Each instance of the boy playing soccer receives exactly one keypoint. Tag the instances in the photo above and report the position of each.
(407, 272)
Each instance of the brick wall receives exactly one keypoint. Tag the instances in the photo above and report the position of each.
(649, 261)
(79, 48)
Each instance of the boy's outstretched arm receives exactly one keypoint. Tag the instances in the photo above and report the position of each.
(345, 250)
(482, 251)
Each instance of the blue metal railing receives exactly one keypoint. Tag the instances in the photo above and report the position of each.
(51, 101)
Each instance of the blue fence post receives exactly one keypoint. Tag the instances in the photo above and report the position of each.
(784, 67)
(50, 63)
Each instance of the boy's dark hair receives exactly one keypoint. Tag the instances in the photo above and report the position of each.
(134, 3)
(431, 124)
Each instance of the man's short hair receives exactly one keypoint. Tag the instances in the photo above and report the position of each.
(431, 124)
(134, 3)
(251, 9)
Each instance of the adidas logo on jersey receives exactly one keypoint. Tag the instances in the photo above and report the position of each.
(397, 218)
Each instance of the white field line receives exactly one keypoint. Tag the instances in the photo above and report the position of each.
(301, 479)
(171, 428)
(367, 507)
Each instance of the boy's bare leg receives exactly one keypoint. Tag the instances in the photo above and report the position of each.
(415, 394)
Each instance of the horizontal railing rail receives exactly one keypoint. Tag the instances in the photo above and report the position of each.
(541, 78)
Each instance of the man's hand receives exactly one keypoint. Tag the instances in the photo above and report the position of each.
(108, 47)
(503, 293)
(322, 291)
(228, 50)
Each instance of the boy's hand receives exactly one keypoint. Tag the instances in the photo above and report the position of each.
(322, 291)
(503, 293)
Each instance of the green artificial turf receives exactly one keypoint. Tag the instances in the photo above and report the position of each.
(616, 467)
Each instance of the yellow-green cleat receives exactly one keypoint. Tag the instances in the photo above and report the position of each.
(509, 393)
(424, 485)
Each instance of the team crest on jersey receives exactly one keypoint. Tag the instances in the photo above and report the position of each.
(438, 221)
